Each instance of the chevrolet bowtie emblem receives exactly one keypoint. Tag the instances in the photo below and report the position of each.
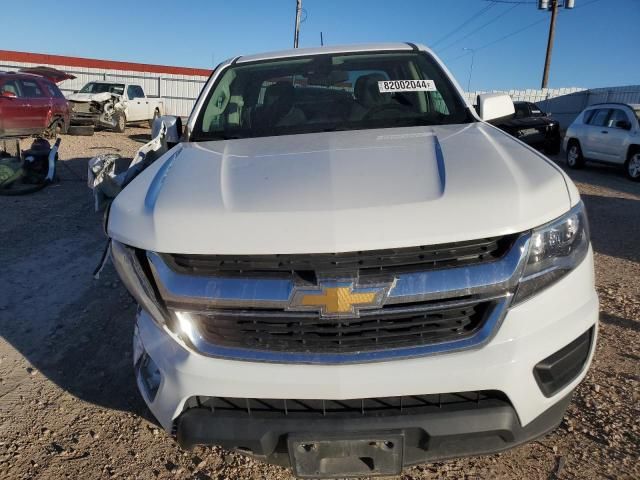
(339, 298)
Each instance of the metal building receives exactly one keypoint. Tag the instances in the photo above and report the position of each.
(177, 86)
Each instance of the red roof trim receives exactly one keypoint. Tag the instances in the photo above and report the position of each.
(41, 58)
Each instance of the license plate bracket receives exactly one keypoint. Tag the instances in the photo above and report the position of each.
(329, 456)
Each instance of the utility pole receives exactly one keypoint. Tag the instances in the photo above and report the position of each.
(296, 35)
(552, 32)
(473, 54)
(552, 5)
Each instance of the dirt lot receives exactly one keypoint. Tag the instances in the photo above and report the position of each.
(69, 407)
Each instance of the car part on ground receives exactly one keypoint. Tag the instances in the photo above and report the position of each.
(34, 170)
(322, 226)
(607, 133)
(533, 126)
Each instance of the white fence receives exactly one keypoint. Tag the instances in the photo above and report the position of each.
(566, 103)
(179, 92)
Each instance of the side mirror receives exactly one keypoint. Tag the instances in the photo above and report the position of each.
(76, 91)
(8, 94)
(495, 105)
(173, 125)
(623, 124)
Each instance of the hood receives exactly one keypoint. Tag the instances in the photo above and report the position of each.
(91, 97)
(339, 192)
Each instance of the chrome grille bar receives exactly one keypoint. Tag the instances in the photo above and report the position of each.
(490, 278)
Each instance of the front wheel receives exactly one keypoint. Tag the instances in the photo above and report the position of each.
(632, 166)
(156, 114)
(121, 122)
(574, 155)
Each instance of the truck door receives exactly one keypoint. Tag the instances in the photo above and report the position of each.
(137, 104)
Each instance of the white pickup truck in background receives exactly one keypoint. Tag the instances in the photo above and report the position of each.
(112, 105)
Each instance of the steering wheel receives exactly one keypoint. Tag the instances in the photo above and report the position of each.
(383, 108)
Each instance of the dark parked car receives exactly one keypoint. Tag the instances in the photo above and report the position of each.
(533, 126)
(31, 104)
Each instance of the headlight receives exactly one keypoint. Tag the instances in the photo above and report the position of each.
(554, 250)
(134, 278)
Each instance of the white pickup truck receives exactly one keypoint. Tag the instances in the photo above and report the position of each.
(342, 267)
(113, 105)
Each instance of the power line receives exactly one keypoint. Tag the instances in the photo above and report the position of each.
(463, 24)
(480, 27)
(520, 30)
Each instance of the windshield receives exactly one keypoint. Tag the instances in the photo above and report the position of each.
(94, 87)
(327, 93)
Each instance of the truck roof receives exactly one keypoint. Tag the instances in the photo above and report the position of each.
(299, 52)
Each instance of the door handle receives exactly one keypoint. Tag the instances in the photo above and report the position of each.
(604, 131)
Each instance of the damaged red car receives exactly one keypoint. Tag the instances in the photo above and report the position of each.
(31, 103)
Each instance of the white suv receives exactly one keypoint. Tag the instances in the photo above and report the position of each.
(343, 268)
(606, 132)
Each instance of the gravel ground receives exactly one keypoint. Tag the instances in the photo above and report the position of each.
(69, 407)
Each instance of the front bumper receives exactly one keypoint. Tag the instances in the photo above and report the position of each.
(436, 434)
(530, 332)
(95, 119)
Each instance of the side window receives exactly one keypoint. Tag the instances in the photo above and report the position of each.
(521, 110)
(53, 90)
(11, 86)
(599, 119)
(134, 91)
(31, 89)
(587, 116)
(617, 115)
(536, 111)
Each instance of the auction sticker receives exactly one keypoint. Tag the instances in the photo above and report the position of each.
(390, 86)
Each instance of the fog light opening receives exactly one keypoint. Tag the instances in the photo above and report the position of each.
(149, 376)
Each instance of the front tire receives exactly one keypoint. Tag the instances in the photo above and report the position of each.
(632, 166)
(575, 159)
(121, 122)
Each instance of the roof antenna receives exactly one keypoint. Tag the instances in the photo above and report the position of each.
(321, 40)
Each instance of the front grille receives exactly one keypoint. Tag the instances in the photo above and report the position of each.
(386, 328)
(389, 261)
(380, 406)
(81, 107)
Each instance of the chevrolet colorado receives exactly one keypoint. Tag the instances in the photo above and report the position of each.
(344, 269)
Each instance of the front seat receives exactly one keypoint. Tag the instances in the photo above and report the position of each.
(368, 95)
(277, 106)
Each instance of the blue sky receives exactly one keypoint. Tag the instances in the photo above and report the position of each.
(597, 43)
